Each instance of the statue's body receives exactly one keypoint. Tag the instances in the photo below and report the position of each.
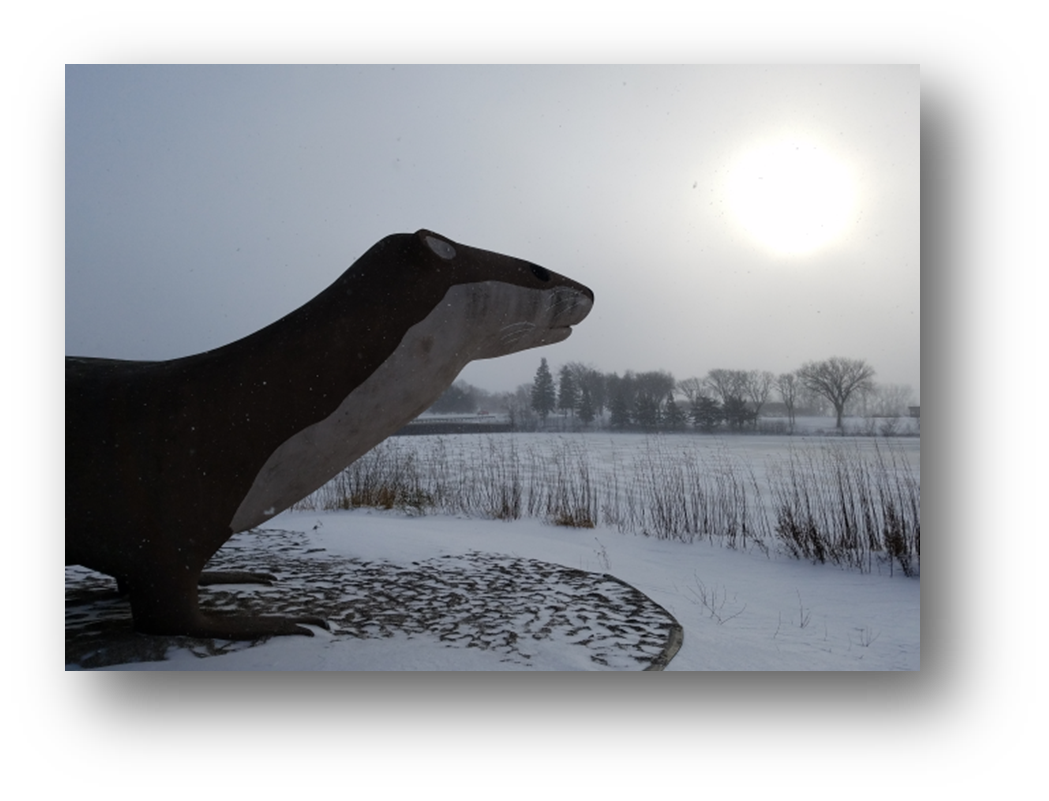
(165, 461)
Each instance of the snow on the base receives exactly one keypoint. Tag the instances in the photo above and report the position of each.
(739, 610)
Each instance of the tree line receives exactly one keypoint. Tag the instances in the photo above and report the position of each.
(655, 401)
(723, 398)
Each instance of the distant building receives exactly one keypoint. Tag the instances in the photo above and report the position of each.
(915, 411)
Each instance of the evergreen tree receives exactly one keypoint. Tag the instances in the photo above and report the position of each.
(586, 407)
(646, 411)
(673, 415)
(568, 392)
(706, 413)
(736, 412)
(619, 412)
(459, 398)
(543, 391)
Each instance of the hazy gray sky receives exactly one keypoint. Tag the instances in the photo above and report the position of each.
(203, 203)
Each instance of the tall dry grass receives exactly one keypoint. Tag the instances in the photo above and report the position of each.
(839, 505)
(829, 503)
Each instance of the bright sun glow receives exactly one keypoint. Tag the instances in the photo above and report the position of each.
(792, 196)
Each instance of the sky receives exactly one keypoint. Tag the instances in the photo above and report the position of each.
(725, 217)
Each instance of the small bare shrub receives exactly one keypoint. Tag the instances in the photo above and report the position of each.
(713, 600)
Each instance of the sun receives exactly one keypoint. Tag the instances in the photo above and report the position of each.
(792, 196)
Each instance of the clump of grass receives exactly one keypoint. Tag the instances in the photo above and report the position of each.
(568, 496)
(573, 518)
(837, 505)
(500, 487)
(375, 480)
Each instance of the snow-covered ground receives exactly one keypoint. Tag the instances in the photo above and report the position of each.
(606, 451)
(752, 608)
(740, 610)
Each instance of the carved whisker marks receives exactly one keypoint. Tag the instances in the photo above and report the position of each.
(512, 334)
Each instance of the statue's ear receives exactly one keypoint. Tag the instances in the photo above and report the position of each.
(441, 248)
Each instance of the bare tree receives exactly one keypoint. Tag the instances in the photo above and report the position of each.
(691, 388)
(735, 388)
(519, 407)
(656, 384)
(652, 387)
(836, 379)
(891, 400)
(591, 379)
(726, 384)
(811, 402)
(787, 387)
(757, 388)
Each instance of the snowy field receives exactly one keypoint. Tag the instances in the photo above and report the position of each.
(741, 608)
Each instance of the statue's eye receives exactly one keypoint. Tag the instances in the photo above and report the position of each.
(540, 272)
(440, 247)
